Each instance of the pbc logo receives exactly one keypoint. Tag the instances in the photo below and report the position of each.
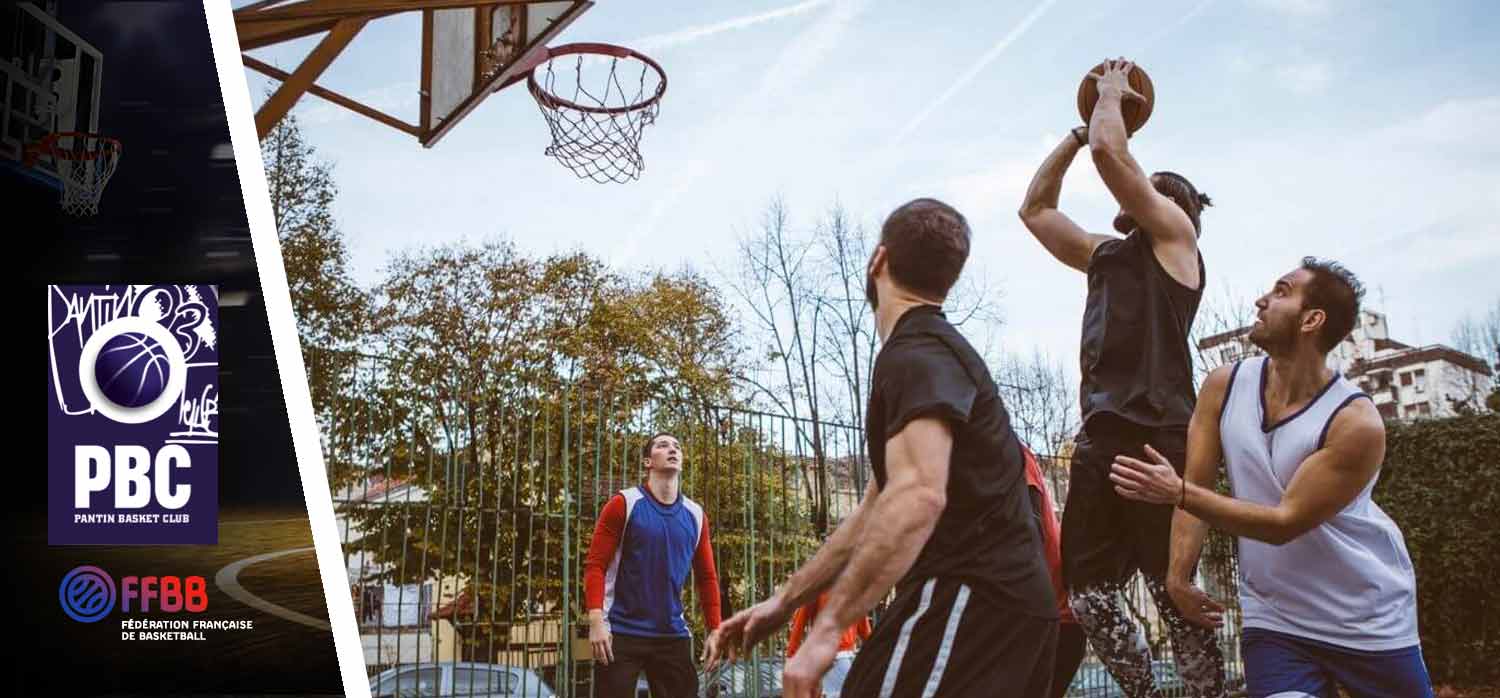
(87, 594)
(132, 422)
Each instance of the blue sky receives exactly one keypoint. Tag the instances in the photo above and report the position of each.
(1355, 130)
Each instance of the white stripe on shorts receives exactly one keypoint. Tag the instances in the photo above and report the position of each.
(888, 686)
(941, 663)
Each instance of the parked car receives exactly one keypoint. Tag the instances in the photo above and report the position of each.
(735, 681)
(459, 680)
(1094, 681)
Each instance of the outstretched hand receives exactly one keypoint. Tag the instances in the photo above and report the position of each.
(1197, 607)
(1155, 482)
(803, 675)
(1115, 77)
(743, 631)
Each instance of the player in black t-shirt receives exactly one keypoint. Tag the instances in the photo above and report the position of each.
(946, 521)
(1137, 387)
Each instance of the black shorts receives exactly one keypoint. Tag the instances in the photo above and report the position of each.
(1105, 537)
(667, 663)
(942, 636)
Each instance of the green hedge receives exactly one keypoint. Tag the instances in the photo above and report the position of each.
(1441, 483)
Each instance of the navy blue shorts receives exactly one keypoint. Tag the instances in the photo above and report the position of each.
(1278, 665)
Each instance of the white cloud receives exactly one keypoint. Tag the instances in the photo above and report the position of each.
(968, 75)
(1467, 123)
(809, 48)
(1305, 78)
(997, 189)
(398, 100)
(804, 52)
(659, 42)
(1296, 8)
(1170, 29)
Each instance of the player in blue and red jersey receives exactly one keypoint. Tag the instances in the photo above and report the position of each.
(646, 541)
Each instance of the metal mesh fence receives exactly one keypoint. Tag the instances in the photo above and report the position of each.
(465, 522)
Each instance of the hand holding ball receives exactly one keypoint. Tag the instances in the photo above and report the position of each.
(1138, 94)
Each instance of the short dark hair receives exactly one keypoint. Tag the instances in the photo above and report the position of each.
(926, 243)
(1177, 188)
(1337, 292)
(646, 449)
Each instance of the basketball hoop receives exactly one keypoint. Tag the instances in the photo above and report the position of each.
(84, 163)
(596, 132)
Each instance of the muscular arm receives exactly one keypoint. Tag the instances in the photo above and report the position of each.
(900, 522)
(1171, 232)
(831, 559)
(1204, 453)
(1068, 242)
(1325, 483)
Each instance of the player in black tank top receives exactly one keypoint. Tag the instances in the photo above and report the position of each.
(1137, 385)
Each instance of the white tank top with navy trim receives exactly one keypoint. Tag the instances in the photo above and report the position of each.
(1347, 582)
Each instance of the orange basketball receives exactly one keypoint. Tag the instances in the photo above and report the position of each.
(1135, 112)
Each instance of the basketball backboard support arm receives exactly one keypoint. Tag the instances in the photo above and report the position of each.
(302, 79)
(464, 80)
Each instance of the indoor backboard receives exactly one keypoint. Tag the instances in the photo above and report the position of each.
(469, 50)
(50, 78)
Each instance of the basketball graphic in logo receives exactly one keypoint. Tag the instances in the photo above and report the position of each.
(87, 594)
(132, 369)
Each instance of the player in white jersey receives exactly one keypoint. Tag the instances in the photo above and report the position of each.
(1326, 585)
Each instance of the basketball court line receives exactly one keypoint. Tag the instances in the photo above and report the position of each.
(262, 521)
(227, 579)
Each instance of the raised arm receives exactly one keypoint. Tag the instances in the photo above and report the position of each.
(1158, 216)
(1068, 242)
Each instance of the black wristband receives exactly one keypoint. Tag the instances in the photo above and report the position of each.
(1077, 137)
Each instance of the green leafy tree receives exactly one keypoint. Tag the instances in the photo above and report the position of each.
(331, 309)
(513, 396)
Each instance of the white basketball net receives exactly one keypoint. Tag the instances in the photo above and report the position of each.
(84, 163)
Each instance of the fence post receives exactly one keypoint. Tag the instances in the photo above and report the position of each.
(565, 667)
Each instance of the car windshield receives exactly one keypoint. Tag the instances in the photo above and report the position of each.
(833, 681)
(409, 682)
(483, 682)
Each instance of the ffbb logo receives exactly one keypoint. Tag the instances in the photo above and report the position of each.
(88, 594)
(133, 415)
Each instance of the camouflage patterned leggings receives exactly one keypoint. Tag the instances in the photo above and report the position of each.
(1118, 641)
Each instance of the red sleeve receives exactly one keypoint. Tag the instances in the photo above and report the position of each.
(707, 578)
(799, 629)
(1051, 534)
(862, 628)
(607, 534)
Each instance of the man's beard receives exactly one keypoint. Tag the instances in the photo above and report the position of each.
(1266, 337)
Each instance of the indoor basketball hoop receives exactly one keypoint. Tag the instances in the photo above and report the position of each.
(597, 116)
(84, 163)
